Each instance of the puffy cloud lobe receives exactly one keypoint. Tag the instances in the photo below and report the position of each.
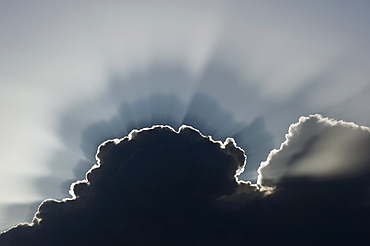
(150, 174)
(318, 148)
(159, 161)
(161, 187)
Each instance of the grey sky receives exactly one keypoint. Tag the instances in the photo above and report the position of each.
(269, 60)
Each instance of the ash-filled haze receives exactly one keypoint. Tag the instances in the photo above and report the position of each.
(74, 74)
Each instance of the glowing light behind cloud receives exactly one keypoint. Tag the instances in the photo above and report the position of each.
(283, 61)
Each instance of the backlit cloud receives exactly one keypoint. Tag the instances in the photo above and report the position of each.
(161, 187)
(319, 148)
(262, 63)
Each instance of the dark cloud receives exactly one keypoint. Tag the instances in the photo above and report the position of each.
(161, 187)
(143, 188)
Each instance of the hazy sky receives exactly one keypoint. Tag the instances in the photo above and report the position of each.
(75, 74)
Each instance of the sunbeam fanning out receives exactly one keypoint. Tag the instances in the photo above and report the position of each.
(74, 74)
(199, 110)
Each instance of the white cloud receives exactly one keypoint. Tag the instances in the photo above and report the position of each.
(319, 148)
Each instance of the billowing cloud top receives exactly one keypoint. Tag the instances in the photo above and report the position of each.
(150, 173)
(161, 187)
(159, 160)
(318, 148)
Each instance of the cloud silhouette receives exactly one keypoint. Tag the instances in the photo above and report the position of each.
(161, 187)
(151, 173)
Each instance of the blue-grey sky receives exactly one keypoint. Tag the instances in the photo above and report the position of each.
(73, 72)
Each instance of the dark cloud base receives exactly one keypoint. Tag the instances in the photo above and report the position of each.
(162, 187)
